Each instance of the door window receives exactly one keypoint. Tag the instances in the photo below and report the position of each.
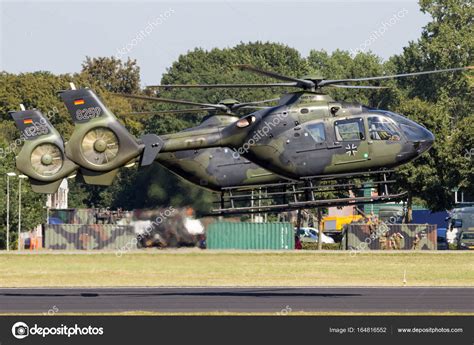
(317, 132)
(349, 130)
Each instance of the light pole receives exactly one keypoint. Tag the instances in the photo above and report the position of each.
(20, 177)
(9, 174)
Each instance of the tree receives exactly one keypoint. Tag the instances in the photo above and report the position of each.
(445, 101)
(113, 74)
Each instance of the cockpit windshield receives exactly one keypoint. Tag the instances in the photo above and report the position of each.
(382, 128)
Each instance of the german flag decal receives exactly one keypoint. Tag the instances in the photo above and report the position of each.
(27, 121)
(79, 101)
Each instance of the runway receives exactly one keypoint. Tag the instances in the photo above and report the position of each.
(278, 300)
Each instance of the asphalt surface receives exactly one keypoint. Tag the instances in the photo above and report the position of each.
(273, 300)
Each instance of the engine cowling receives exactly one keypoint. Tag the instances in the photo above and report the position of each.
(100, 144)
(42, 157)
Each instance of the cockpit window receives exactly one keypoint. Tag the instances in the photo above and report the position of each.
(412, 132)
(381, 128)
(349, 130)
(317, 132)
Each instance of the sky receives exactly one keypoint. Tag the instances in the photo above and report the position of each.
(56, 36)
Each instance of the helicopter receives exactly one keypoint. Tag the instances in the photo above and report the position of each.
(307, 138)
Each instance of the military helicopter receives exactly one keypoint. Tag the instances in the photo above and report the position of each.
(308, 137)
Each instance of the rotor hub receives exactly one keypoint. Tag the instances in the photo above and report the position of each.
(47, 159)
(100, 145)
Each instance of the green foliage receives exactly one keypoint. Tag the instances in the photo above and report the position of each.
(446, 41)
(314, 246)
(113, 74)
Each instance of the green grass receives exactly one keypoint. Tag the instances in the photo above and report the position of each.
(207, 268)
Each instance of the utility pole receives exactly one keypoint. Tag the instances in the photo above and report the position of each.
(20, 177)
(10, 174)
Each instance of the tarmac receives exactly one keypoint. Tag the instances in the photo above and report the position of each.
(278, 300)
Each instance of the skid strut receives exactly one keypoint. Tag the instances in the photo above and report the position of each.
(310, 192)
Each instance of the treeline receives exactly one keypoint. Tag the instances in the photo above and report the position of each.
(443, 103)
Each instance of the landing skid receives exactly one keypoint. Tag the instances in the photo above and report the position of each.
(310, 192)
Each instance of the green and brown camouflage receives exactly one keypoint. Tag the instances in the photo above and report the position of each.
(306, 134)
(72, 216)
(88, 216)
(215, 168)
(42, 156)
(299, 137)
(88, 236)
(360, 237)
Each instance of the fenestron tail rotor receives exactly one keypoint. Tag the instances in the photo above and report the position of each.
(42, 157)
(100, 144)
(47, 159)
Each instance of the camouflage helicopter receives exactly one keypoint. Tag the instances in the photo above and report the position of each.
(308, 137)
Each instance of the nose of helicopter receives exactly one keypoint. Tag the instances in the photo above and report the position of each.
(425, 140)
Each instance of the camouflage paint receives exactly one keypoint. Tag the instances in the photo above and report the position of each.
(214, 168)
(88, 112)
(360, 237)
(285, 148)
(88, 236)
(74, 215)
(36, 130)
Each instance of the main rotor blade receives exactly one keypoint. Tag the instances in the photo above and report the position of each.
(251, 107)
(246, 104)
(337, 81)
(343, 86)
(172, 101)
(299, 82)
(222, 86)
(169, 112)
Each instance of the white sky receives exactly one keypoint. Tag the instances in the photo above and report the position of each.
(56, 36)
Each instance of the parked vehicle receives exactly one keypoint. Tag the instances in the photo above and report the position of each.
(311, 235)
(466, 240)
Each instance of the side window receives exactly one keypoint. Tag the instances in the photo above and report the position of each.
(317, 132)
(381, 128)
(349, 130)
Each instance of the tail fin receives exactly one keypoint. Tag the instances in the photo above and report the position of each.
(42, 157)
(100, 144)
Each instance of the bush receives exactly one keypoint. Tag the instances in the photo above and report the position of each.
(314, 246)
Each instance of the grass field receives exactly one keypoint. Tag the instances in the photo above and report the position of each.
(206, 268)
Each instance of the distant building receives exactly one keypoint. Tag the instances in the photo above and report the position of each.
(59, 199)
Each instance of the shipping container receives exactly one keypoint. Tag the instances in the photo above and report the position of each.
(89, 236)
(72, 216)
(390, 236)
(228, 235)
